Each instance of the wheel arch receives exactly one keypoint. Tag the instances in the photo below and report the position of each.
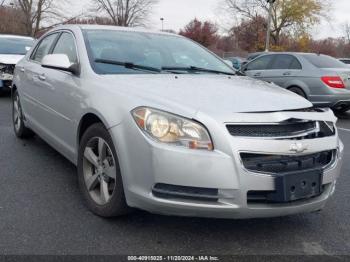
(301, 89)
(299, 84)
(87, 120)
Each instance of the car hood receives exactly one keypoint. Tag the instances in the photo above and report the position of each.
(10, 59)
(214, 94)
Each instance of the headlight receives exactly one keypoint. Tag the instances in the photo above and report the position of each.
(172, 129)
(2, 66)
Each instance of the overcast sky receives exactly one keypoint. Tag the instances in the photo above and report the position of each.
(177, 13)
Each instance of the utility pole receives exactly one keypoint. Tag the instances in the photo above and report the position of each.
(268, 33)
(162, 19)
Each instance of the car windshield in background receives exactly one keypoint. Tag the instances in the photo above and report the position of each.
(121, 52)
(15, 46)
(323, 61)
(345, 61)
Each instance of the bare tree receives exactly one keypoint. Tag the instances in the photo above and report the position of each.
(37, 12)
(126, 12)
(347, 31)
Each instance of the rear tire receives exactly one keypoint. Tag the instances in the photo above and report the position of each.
(19, 127)
(99, 173)
(298, 91)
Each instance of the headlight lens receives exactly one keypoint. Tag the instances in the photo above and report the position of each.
(2, 66)
(172, 129)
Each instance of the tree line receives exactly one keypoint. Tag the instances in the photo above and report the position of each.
(243, 31)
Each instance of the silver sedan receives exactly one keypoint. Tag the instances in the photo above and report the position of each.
(155, 121)
(322, 79)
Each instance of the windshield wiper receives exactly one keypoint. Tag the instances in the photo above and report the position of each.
(128, 65)
(196, 69)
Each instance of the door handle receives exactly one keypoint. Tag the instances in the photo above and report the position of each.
(42, 77)
(257, 74)
(287, 74)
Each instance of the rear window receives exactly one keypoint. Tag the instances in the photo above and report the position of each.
(323, 61)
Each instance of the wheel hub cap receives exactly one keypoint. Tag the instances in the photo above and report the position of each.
(99, 170)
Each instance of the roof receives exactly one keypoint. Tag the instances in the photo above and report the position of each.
(287, 53)
(111, 27)
(16, 36)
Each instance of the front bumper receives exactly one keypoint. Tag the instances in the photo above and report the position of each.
(145, 163)
(6, 77)
(5, 85)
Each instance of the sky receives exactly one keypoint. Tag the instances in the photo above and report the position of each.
(177, 13)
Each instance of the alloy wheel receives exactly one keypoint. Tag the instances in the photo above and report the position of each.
(17, 113)
(99, 169)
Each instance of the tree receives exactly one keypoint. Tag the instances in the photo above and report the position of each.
(205, 33)
(91, 21)
(347, 32)
(10, 21)
(250, 34)
(288, 16)
(36, 12)
(126, 12)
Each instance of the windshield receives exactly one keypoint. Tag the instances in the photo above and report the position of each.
(15, 46)
(345, 61)
(150, 50)
(323, 61)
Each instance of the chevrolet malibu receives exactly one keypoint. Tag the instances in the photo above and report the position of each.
(156, 122)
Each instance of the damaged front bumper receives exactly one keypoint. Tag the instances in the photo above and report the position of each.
(171, 180)
(6, 76)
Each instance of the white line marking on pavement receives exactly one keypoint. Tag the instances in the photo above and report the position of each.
(344, 129)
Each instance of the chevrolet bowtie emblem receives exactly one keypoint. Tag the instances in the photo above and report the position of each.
(298, 148)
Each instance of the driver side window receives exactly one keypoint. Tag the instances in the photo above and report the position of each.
(43, 48)
(66, 46)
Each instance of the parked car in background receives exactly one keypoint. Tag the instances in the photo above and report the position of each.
(236, 62)
(12, 49)
(157, 122)
(252, 56)
(345, 60)
(323, 80)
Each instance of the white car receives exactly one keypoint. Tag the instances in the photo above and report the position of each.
(157, 122)
(12, 49)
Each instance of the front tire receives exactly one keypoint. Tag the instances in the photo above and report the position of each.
(99, 174)
(19, 127)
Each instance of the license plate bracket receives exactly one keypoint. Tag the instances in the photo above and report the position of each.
(297, 186)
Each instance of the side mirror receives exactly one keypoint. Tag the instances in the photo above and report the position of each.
(60, 62)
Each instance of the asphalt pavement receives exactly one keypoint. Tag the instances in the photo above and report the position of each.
(42, 212)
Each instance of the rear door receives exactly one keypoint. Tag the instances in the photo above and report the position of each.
(283, 68)
(259, 67)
